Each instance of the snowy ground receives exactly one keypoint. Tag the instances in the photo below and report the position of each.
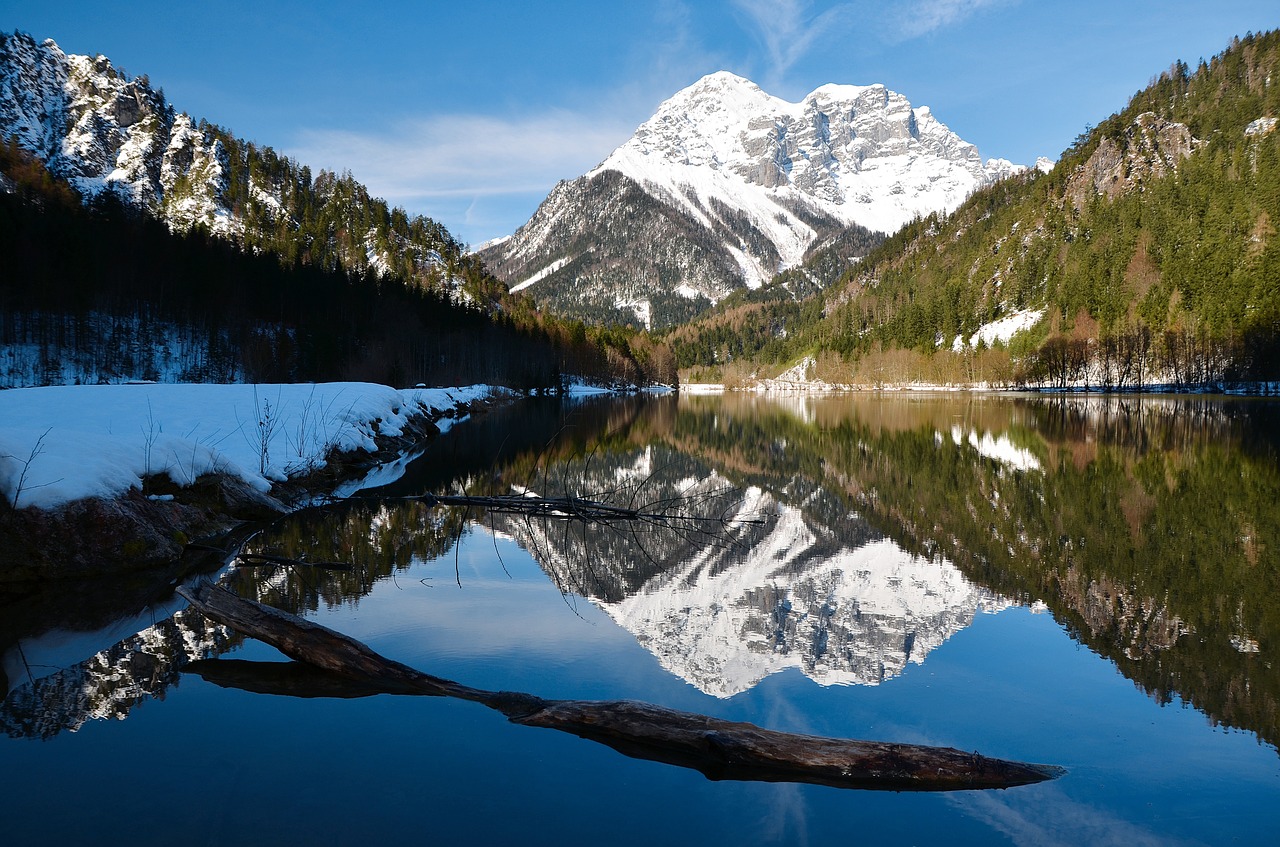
(63, 443)
(1001, 330)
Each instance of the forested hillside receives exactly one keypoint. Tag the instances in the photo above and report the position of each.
(1148, 254)
(201, 256)
(105, 291)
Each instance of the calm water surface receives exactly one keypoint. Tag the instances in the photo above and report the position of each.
(1093, 583)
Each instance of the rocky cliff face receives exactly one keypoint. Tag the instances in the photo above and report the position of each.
(103, 131)
(1150, 148)
(736, 185)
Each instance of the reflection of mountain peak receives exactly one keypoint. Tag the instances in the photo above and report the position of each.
(111, 682)
(830, 597)
(856, 617)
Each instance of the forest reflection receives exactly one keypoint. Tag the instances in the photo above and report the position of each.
(1146, 525)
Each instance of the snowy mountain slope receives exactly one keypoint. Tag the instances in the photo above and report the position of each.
(103, 131)
(726, 185)
(860, 154)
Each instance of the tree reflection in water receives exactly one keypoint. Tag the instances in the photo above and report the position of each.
(1146, 525)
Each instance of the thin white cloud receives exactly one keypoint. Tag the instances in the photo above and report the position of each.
(788, 29)
(466, 155)
(920, 17)
(483, 175)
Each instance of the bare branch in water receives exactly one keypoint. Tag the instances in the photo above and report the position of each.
(252, 559)
(718, 748)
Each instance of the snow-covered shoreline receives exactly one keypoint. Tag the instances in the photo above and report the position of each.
(60, 444)
(113, 478)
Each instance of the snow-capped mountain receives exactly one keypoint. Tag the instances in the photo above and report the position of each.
(104, 131)
(726, 185)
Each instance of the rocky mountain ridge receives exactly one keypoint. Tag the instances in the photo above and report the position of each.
(108, 133)
(727, 185)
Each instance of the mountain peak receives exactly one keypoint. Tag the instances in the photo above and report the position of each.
(723, 162)
(862, 154)
(723, 79)
(840, 92)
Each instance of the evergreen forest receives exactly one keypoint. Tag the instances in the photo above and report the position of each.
(101, 291)
(1149, 251)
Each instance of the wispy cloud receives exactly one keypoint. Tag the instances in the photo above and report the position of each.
(482, 176)
(789, 29)
(920, 17)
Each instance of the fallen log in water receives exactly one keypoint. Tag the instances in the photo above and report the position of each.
(718, 748)
(284, 679)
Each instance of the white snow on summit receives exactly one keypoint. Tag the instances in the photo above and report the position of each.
(862, 154)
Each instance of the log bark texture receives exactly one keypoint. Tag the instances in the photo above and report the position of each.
(717, 748)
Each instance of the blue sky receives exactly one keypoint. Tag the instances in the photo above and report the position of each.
(470, 110)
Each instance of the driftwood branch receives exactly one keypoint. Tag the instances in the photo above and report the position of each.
(343, 667)
(252, 559)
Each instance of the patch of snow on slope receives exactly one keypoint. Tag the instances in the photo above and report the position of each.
(642, 309)
(377, 259)
(1000, 330)
(542, 274)
(1261, 126)
(753, 276)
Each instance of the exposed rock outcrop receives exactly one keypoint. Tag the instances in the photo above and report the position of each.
(1150, 148)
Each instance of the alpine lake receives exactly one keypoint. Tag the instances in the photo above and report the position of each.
(1085, 581)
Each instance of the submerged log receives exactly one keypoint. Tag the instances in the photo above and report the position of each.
(723, 749)
(285, 679)
(255, 559)
(717, 748)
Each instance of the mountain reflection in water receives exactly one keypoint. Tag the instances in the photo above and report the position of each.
(1147, 526)
(811, 585)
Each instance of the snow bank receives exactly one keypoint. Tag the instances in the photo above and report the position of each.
(1000, 330)
(64, 443)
